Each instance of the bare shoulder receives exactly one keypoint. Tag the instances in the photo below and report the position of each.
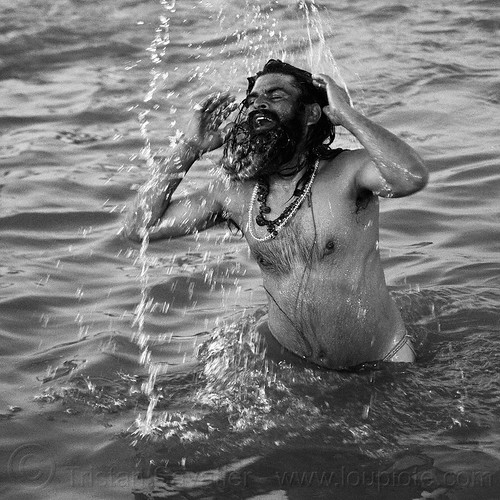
(226, 197)
(344, 165)
(226, 192)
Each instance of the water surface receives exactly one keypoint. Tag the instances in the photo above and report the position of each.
(91, 90)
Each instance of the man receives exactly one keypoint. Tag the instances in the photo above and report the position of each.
(308, 212)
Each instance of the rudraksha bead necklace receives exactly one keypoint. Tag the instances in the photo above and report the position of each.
(260, 193)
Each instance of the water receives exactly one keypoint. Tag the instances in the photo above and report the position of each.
(91, 90)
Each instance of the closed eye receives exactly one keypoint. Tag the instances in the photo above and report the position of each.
(248, 101)
(273, 95)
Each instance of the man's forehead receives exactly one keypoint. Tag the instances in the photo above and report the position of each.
(273, 81)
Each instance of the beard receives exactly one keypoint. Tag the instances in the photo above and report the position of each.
(252, 152)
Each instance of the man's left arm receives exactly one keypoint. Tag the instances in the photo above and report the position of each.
(390, 167)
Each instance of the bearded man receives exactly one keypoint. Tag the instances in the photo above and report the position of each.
(309, 213)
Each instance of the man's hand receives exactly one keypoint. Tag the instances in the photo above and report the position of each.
(388, 167)
(338, 99)
(204, 131)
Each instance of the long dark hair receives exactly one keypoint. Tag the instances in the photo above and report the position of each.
(322, 133)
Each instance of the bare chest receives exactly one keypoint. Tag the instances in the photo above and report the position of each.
(328, 221)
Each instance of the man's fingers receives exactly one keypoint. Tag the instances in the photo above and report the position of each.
(229, 107)
(218, 106)
(318, 80)
(323, 81)
(328, 112)
(214, 101)
(205, 105)
(226, 131)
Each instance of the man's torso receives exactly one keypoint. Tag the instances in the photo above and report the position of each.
(328, 301)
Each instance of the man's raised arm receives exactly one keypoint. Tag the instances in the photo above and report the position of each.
(391, 168)
(153, 198)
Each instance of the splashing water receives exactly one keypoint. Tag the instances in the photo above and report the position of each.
(257, 38)
(321, 58)
(158, 51)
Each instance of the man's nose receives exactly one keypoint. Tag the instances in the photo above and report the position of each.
(261, 102)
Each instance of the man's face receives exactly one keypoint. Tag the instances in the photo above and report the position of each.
(274, 100)
(269, 130)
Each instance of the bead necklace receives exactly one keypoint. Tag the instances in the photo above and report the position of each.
(260, 193)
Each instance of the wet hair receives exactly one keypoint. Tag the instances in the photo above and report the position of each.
(322, 133)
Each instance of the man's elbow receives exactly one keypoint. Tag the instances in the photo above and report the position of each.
(417, 183)
(413, 181)
(419, 177)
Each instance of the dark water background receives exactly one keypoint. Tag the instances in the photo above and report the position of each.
(90, 90)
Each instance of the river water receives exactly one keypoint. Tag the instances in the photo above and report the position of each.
(131, 372)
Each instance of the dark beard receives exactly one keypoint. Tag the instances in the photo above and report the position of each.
(251, 155)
